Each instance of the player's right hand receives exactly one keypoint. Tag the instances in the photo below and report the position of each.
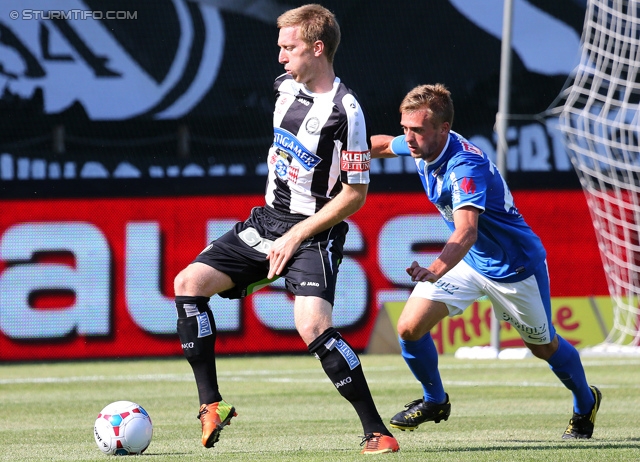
(420, 274)
(280, 253)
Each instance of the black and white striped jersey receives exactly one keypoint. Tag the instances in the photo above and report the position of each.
(319, 142)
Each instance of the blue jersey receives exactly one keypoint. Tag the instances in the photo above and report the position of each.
(507, 249)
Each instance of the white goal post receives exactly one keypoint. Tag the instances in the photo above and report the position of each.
(600, 120)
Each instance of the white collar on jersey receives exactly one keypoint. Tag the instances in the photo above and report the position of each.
(302, 88)
(437, 159)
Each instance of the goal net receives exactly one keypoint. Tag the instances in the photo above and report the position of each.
(600, 120)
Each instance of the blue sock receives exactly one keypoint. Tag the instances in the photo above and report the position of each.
(566, 364)
(422, 358)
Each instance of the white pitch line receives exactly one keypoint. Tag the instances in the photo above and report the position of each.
(189, 378)
(288, 375)
(100, 378)
(286, 379)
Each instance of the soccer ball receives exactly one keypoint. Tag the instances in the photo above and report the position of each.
(123, 428)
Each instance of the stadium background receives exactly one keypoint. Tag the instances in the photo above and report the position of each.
(128, 143)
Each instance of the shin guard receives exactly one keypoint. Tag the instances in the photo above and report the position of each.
(342, 366)
(197, 332)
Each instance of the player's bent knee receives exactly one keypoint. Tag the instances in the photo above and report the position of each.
(543, 352)
(180, 283)
(309, 332)
(198, 279)
(410, 331)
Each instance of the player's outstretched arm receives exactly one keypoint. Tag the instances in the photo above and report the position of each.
(381, 146)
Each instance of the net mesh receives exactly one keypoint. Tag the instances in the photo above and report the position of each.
(601, 123)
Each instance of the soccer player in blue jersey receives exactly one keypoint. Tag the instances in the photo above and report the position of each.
(318, 176)
(491, 252)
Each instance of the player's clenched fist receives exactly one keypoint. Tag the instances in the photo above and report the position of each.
(420, 274)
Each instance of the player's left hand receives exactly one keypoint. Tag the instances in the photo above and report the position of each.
(280, 253)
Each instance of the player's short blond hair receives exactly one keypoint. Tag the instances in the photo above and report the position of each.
(436, 98)
(316, 23)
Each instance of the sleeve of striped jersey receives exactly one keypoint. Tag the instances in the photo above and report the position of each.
(355, 155)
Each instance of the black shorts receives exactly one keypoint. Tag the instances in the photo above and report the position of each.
(241, 254)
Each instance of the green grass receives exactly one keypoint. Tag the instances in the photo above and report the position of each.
(502, 410)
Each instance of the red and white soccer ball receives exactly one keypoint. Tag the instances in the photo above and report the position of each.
(123, 428)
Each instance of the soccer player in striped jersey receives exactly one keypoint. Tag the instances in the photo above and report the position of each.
(318, 176)
(491, 252)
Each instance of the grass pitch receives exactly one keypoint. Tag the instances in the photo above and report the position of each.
(502, 410)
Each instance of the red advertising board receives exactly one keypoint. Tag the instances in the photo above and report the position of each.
(93, 278)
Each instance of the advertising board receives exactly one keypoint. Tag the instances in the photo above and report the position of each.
(93, 278)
